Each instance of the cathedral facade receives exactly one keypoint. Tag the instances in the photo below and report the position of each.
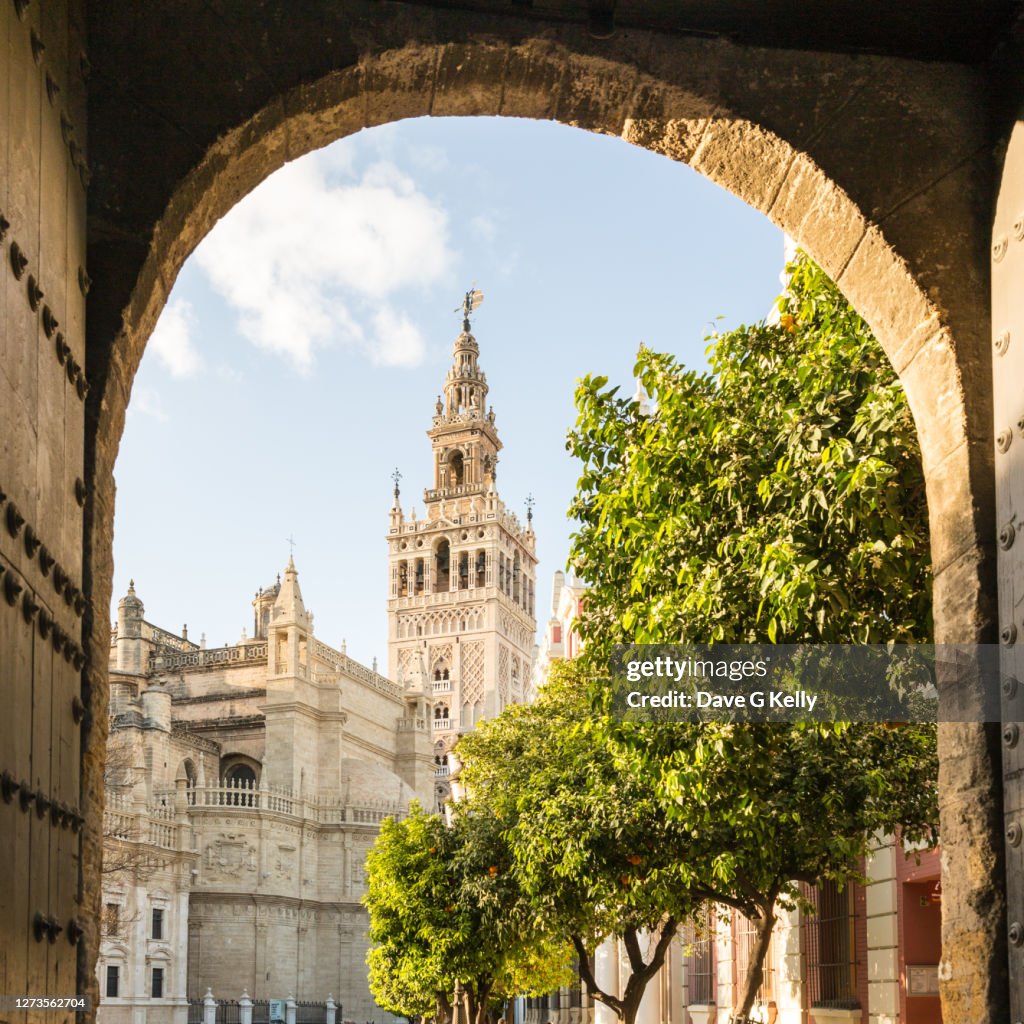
(246, 784)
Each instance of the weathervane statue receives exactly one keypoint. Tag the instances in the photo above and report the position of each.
(474, 297)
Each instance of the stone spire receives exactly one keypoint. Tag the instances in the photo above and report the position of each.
(288, 605)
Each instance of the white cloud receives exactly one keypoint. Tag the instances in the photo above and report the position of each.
(146, 402)
(171, 339)
(300, 257)
(396, 340)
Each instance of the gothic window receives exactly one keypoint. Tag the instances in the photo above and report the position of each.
(403, 579)
(481, 568)
(440, 712)
(419, 576)
(464, 572)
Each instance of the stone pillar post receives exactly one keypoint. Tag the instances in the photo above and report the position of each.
(883, 932)
(209, 1008)
(245, 1007)
(649, 1010)
(289, 1010)
(332, 1010)
(606, 974)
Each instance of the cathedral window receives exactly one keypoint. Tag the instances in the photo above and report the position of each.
(403, 579)
(481, 568)
(419, 576)
(240, 780)
(464, 572)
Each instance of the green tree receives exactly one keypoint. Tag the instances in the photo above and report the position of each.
(447, 916)
(595, 852)
(779, 499)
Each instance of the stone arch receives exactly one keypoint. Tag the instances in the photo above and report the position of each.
(920, 289)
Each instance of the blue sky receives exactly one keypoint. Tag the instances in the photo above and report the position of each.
(298, 359)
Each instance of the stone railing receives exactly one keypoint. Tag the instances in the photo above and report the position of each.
(442, 724)
(441, 686)
(151, 826)
(252, 653)
(165, 639)
(325, 809)
(441, 771)
(355, 670)
(412, 725)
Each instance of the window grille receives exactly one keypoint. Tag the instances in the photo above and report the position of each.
(830, 948)
(699, 958)
(745, 938)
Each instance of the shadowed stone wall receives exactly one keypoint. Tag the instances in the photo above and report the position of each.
(42, 413)
(882, 168)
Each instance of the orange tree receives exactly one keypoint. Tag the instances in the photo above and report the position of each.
(778, 499)
(447, 916)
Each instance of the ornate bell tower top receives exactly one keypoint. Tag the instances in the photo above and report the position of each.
(461, 620)
(464, 439)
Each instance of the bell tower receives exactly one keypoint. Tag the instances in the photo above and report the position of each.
(461, 605)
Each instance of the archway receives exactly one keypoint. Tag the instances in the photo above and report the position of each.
(859, 228)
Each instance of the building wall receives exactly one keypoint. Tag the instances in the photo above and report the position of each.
(262, 883)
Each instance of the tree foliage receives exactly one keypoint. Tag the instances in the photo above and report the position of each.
(595, 852)
(778, 498)
(447, 915)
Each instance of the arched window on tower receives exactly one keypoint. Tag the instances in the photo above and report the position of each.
(456, 469)
(442, 567)
(515, 578)
(481, 568)
(403, 579)
(464, 571)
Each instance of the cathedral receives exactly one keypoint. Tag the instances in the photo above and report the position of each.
(245, 784)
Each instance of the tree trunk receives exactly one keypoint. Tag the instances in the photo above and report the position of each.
(443, 1009)
(641, 971)
(749, 985)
